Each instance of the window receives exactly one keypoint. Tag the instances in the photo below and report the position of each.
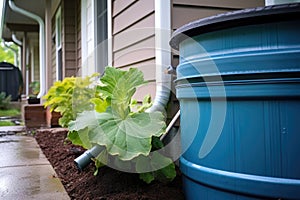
(101, 41)
(94, 36)
(59, 74)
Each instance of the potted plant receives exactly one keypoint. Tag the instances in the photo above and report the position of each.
(35, 89)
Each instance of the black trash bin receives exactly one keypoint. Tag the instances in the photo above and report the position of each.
(11, 81)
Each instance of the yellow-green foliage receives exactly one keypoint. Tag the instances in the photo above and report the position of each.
(70, 97)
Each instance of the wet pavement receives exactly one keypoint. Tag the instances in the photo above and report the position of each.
(25, 172)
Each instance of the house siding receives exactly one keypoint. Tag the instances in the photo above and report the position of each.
(185, 11)
(133, 32)
(134, 39)
(68, 38)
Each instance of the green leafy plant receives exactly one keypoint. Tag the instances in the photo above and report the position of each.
(35, 88)
(128, 136)
(4, 101)
(70, 97)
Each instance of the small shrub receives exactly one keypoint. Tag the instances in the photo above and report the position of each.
(4, 101)
(70, 97)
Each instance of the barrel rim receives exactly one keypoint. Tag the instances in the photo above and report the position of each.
(258, 15)
(243, 183)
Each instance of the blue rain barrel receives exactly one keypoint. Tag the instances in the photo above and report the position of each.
(238, 84)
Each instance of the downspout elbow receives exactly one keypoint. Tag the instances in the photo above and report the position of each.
(16, 40)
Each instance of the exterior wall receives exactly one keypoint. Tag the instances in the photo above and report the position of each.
(134, 39)
(185, 11)
(68, 38)
(133, 30)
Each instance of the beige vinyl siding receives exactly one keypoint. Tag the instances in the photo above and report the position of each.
(134, 40)
(185, 11)
(68, 38)
(237, 4)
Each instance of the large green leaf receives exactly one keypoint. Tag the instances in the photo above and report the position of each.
(119, 86)
(130, 137)
(80, 128)
(85, 119)
(155, 166)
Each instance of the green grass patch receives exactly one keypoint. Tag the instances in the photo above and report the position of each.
(10, 113)
(6, 123)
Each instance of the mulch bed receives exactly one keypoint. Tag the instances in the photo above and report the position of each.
(109, 184)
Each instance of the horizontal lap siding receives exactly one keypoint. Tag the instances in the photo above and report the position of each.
(232, 4)
(184, 14)
(68, 38)
(134, 40)
(186, 11)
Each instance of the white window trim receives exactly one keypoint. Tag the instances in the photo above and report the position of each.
(84, 38)
(58, 44)
(109, 33)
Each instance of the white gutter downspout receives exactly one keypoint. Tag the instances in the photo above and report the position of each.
(16, 40)
(162, 55)
(37, 18)
(19, 44)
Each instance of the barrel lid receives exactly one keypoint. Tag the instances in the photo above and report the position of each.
(237, 18)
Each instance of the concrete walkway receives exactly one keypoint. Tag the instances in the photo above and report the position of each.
(25, 172)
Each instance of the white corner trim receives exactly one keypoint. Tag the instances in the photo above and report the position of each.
(109, 33)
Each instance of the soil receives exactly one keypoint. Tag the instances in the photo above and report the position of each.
(109, 184)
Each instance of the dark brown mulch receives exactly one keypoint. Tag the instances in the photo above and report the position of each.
(109, 184)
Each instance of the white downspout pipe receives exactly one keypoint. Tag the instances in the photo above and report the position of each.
(162, 55)
(19, 43)
(16, 40)
(40, 21)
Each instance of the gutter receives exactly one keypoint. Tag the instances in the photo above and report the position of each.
(42, 43)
